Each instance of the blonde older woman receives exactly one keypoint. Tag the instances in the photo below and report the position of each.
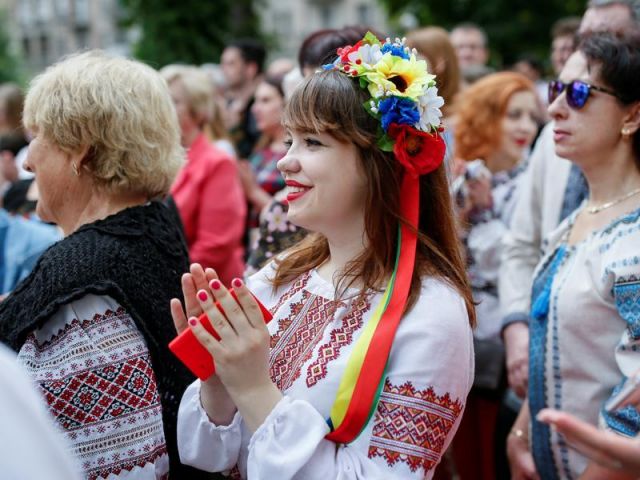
(91, 322)
(207, 191)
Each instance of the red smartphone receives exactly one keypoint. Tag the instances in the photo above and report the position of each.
(191, 352)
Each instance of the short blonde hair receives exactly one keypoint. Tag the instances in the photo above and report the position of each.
(197, 87)
(120, 110)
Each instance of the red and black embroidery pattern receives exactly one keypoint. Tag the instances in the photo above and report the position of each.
(297, 336)
(102, 394)
(338, 338)
(298, 285)
(412, 425)
(97, 378)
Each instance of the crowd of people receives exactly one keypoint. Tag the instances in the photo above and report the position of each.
(447, 252)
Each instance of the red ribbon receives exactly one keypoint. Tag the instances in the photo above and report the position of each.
(377, 354)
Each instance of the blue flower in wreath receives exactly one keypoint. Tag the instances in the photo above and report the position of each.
(402, 111)
(396, 49)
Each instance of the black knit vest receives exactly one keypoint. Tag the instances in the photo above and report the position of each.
(135, 256)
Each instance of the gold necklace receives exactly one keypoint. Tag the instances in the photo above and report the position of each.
(604, 206)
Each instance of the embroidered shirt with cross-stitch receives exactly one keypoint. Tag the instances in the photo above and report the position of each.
(92, 366)
(583, 349)
(427, 380)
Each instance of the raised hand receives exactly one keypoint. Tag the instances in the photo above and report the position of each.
(242, 354)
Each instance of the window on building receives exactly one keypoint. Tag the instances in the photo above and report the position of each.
(44, 10)
(364, 14)
(81, 11)
(44, 49)
(326, 16)
(82, 37)
(26, 46)
(62, 8)
(282, 21)
(25, 14)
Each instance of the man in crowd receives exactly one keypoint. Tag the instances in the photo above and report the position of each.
(471, 44)
(472, 49)
(242, 65)
(563, 41)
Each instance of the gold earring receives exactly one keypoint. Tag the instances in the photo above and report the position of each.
(75, 169)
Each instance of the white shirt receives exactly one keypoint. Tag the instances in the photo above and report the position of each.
(30, 446)
(536, 213)
(429, 375)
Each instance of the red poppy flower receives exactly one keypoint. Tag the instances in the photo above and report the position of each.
(419, 152)
(344, 52)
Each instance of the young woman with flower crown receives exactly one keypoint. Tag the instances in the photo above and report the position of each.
(364, 370)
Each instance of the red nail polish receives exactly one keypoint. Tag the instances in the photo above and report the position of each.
(237, 283)
(193, 321)
(215, 284)
(202, 295)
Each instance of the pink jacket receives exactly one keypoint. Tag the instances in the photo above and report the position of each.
(213, 209)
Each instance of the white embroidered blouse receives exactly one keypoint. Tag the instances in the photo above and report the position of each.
(428, 377)
(92, 366)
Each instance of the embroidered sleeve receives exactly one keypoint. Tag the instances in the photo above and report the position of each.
(411, 425)
(93, 368)
(626, 291)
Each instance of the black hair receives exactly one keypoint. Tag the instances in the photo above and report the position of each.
(320, 46)
(618, 56)
(251, 51)
(533, 61)
(13, 142)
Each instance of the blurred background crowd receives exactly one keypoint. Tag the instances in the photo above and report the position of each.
(230, 67)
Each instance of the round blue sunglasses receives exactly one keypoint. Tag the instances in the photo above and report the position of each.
(577, 92)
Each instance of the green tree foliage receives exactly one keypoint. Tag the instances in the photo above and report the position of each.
(514, 26)
(10, 67)
(189, 31)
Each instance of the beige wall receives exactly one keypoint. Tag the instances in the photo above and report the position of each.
(290, 21)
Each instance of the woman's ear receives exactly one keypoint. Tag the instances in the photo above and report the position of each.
(631, 122)
(81, 157)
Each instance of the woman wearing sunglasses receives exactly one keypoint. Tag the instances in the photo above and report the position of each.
(585, 315)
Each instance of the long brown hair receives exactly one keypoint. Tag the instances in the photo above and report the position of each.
(434, 44)
(332, 103)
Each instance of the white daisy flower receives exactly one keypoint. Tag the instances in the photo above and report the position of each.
(429, 105)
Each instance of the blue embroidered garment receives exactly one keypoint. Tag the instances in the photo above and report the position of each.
(584, 336)
(540, 433)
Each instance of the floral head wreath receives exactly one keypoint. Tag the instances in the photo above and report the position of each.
(405, 101)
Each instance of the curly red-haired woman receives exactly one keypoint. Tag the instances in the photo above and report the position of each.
(496, 124)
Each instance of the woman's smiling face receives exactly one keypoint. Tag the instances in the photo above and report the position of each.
(325, 182)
